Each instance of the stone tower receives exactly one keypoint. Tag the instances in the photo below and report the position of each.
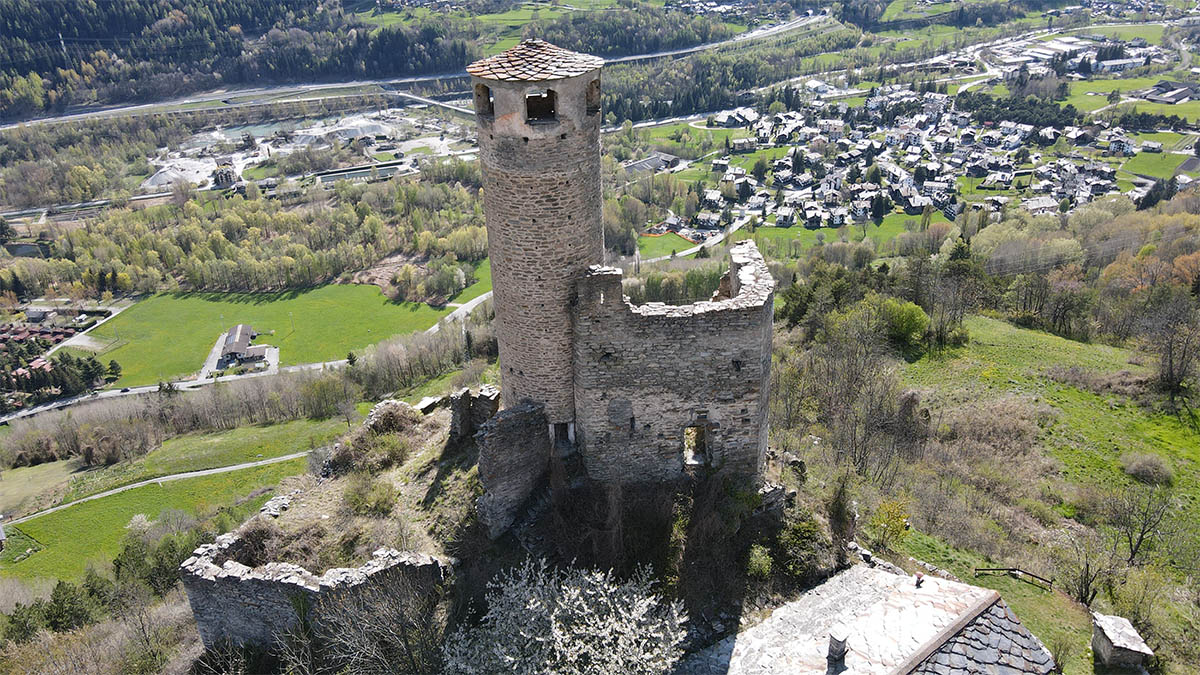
(537, 107)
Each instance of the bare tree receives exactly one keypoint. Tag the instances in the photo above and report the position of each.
(1085, 562)
(856, 393)
(1173, 334)
(181, 192)
(390, 627)
(1139, 515)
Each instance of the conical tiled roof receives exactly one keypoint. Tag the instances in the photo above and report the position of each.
(534, 61)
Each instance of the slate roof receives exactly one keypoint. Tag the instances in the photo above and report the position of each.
(891, 625)
(993, 642)
(534, 61)
(237, 341)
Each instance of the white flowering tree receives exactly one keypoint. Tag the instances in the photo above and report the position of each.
(543, 620)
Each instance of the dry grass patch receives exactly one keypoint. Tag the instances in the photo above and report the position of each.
(401, 489)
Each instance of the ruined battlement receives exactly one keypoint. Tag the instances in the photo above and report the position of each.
(258, 605)
(660, 388)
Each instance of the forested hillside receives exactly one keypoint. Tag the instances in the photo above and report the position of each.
(141, 50)
(151, 49)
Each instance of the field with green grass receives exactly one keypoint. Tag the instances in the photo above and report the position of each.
(1189, 111)
(666, 244)
(92, 531)
(1092, 431)
(259, 172)
(195, 452)
(1169, 139)
(911, 9)
(169, 335)
(786, 242)
(29, 488)
(1090, 95)
(1151, 34)
(1154, 164)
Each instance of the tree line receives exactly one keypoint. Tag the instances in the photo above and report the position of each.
(645, 29)
(255, 244)
(143, 50)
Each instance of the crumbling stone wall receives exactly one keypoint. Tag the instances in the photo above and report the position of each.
(644, 374)
(514, 453)
(468, 411)
(233, 602)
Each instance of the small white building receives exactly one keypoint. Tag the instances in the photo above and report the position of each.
(1115, 642)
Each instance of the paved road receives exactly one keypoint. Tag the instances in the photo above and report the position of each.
(163, 479)
(461, 312)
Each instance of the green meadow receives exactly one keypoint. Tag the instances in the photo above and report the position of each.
(169, 335)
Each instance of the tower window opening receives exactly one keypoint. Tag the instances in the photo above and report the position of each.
(484, 103)
(561, 432)
(695, 445)
(540, 106)
(593, 97)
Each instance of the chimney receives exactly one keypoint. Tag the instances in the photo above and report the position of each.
(837, 645)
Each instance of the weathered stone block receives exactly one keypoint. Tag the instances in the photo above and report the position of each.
(514, 454)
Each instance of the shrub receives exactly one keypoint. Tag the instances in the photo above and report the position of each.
(758, 564)
(572, 621)
(801, 545)
(25, 621)
(890, 522)
(68, 608)
(1147, 468)
(905, 322)
(365, 497)
(1041, 512)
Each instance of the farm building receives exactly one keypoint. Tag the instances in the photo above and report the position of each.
(237, 348)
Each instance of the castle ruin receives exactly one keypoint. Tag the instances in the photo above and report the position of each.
(641, 393)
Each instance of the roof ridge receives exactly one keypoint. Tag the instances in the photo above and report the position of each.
(935, 643)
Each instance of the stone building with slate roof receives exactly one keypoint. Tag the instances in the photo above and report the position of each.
(629, 393)
(882, 623)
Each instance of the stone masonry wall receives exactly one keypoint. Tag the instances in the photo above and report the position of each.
(514, 453)
(642, 374)
(542, 200)
(235, 603)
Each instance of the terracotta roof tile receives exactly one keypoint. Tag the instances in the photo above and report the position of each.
(534, 61)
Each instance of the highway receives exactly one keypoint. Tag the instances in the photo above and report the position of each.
(274, 92)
